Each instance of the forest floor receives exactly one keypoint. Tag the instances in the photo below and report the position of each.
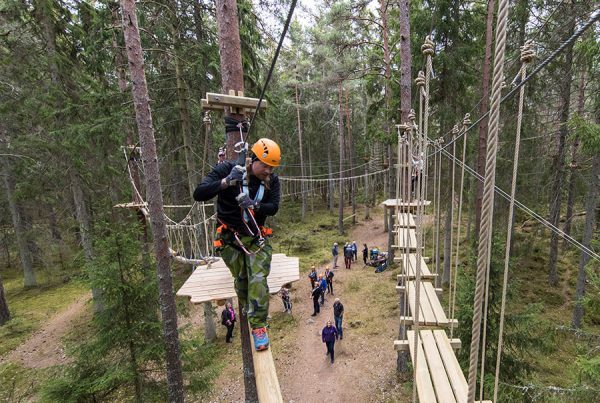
(365, 360)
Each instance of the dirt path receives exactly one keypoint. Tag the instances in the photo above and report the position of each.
(44, 348)
(364, 368)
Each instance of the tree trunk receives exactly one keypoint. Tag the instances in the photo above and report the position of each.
(574, 166)
(83, 218)
(483, 109)
(350, 143)
(155, 201)
(590, 212)
(299, 123)
(558, 164)
(232, 78)
(341, 133)
(18, 224)
(330, 181)
(4, 312)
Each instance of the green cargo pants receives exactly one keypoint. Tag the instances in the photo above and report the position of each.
(250, 274)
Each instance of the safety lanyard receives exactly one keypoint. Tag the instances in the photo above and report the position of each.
(257, 198)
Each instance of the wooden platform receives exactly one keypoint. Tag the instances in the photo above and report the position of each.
(411, 269)
(216, 283)
(404, 220)
(405, 238)
(411, 205)
(431, 312)
(439, 376)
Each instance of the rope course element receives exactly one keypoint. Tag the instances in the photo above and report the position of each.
(345, 178)
(527, 55)
(487, 209)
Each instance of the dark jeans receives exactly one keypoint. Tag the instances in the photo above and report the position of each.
(348, 261)
(355, 256)
(322, 297)
(338, 326)
(330, 286)
(287, 304)
(316, 306)
(229, 335)
(330, 345)
(365, 259)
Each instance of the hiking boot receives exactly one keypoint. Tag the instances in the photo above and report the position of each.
(261, 339)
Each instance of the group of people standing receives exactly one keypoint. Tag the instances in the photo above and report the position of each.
(320, 284)
(350, 253)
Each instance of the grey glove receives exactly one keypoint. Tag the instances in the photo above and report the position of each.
(236, 175)
(245, 202)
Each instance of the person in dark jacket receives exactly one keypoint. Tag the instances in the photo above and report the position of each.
(243, 193)
(323, 283)
(315, 294)
(329, 277)
(329, 335)
(365, 253)
(338, 315)
(228, 319)
(348, 255)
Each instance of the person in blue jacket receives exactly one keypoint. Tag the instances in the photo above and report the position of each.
(323, 282)
(329, 335)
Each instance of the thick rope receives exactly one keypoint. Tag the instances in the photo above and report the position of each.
(485, 233)
(466, 122)
(428, 50)
(527, 55)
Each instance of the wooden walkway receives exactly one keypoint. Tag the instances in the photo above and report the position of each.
(214, 282)
(410, 260)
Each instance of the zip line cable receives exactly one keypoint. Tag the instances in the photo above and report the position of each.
(273, 62)
(529, 211)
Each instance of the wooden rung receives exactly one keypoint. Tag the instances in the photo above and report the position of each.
(408, 320)
(233, 101)
(402, 345)
(265, 375)
(133, 206)
(401, 288)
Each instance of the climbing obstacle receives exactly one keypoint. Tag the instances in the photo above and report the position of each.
(215, 283)
(402, 205)
(406, 239)
(404, 220)
(431, 312)
(409, 267)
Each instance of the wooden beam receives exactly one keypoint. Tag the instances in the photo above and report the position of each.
(408, 320)
(402, 345)
(265, 376)
(233, 101)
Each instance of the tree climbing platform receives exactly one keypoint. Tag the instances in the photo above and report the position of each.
(406, 239)
(409, 266)
(404, 220)
(409, 205)
(214, 282)
(431, 312)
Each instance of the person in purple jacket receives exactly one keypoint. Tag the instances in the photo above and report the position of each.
(329, 335)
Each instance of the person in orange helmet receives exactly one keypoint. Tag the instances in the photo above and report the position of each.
(245, 198)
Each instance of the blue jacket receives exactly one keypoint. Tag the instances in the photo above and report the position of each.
(324, 284)
(334, 251)
(329, 334)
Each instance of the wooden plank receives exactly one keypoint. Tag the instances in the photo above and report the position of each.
(436, 306)
(453, 370)
(424, 385)
(402, 345)
(265, 375)
(441, 384)
(393, 203)
(234, 101)
(404, 220)
(426, 314)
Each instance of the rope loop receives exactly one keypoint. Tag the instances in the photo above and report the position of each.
(467, 120)
(207, 119)
(527, 52)
(420, 80)
(428, 47)
(455, 131)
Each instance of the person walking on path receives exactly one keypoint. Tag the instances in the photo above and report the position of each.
(329, 278)
(246, 196)
(228, 320)
(338, 315)
(323, 283)
(354, 251)
(329, 335)
(335, 253)
(312, 276)
(365, 253)
(284, 293)
(315, 294)
(348, 256)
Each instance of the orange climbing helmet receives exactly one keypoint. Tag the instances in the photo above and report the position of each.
(267, 151)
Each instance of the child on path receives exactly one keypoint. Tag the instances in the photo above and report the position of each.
(284, 293)
(329, 335)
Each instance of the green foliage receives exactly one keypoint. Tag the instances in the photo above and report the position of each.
(126, 336)
(588, 132)
(524, 333)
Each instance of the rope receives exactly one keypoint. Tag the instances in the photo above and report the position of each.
(455, 132)
(483, 258)
(466, 122)
(527, 54)
(346, 178)
(530, 212)
(595, 17)
(438, 219)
